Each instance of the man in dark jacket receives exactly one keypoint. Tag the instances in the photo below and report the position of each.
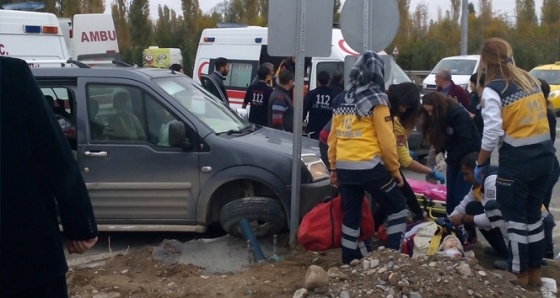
(38, 174)
(280, 106)
(446, 86)
(221, 70)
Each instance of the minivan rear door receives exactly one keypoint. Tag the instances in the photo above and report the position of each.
(132, 174)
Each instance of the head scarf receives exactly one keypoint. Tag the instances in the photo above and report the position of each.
(367, 86)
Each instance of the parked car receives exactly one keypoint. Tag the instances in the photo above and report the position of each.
(551, 74)
(461, 68)
(159, 152)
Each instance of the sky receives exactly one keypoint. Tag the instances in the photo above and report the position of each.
(500, 6)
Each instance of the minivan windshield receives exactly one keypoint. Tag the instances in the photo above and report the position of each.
(203, 105)
(456, 66)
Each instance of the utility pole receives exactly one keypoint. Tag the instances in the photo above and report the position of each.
(464, 26)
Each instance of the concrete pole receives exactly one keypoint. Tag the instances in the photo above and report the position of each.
(464, 26)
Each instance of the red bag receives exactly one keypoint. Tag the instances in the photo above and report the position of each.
(321, 228)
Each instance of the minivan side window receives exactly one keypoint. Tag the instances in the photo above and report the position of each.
(126, 114)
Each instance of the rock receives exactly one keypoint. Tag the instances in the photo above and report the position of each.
(381, 248)
(365, 264)
(373, 263)
(464, 269)
(316, 277)
(393, 279)
(172, 286)
(471, 292)
(432, 264)
(124, 271)
(100, 296)
(414, 295)
(301, 293)
(481, 273)
(344, 294)
(335, 272)
(380, 271)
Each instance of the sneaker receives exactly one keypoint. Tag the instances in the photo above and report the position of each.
(501, 264)
(489, 251)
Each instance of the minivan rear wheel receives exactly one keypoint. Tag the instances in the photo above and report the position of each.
(265, 215)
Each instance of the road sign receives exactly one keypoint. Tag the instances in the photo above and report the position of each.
(395, 51)
(283, 29)
(369, 24)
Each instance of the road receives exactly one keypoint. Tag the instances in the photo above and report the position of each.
(110, 243)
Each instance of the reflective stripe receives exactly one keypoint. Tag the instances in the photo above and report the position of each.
(399, 228)
(358, 165)
(348, 244)
(498, 223)
(363, 248)
(516, 225)
(513, 237)
(493, 212)
(518, 142)
(537, 237)
(535, 226)
(350, 232)
(516, 261)
(401, 214)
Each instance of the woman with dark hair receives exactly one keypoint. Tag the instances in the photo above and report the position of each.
(405, 106)
(450, 129)
(514, 114)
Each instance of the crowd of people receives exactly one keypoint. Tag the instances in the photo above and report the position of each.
(363, 133)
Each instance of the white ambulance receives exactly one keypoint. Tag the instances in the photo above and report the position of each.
(91, 38)
(32, 36)
(246, 50)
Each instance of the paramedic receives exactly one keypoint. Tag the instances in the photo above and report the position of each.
(479, 206)
(363, 156)
(258, 95)
(514, 111)
(318, 103)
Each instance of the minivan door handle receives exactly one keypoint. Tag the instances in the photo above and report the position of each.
(96, 154)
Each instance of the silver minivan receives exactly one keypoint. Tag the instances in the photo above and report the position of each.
(159, 152)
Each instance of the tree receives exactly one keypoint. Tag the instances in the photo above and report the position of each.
(525, 13)
(191, 18)
(119, 10)
(140, 28)
(336, 11)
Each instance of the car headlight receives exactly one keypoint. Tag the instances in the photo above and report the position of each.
(553, 94)
(315, 166)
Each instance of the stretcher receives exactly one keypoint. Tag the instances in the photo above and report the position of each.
(431, 197)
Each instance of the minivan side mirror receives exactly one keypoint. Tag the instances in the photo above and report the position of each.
(178, 137)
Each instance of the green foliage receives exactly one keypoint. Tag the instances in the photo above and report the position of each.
(422, 42)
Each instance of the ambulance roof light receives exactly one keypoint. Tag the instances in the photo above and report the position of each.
(258, 39)
(31, 29)
(209, 39)
(50, 29)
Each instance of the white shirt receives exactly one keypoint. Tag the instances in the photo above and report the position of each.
(481, 221)
(492, 115)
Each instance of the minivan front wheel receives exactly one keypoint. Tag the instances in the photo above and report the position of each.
(265, 215)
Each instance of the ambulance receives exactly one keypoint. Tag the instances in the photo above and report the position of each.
(246, 48)
(157, 57)
(35, 37)
(91, 38)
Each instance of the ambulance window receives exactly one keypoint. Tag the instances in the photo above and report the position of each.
(330, 67)
(241, 73)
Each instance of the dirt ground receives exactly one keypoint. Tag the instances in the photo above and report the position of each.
(139, 274)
